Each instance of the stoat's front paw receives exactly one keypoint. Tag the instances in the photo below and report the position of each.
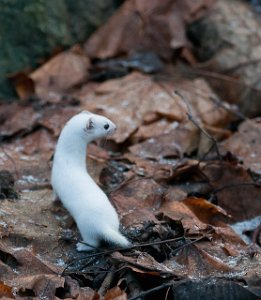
(82, 247)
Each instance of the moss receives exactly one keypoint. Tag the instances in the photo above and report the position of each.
(31, 29)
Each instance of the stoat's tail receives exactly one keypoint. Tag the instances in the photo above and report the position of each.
(114, 237)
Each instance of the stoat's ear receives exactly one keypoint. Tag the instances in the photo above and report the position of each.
(90, 124)
(86, 112)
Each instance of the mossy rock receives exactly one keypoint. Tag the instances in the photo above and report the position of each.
(31, 29)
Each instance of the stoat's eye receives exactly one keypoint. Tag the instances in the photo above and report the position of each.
(106, 126)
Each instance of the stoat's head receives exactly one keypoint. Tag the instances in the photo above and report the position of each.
(90, 126)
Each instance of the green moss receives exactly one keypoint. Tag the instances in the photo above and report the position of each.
(31, 29)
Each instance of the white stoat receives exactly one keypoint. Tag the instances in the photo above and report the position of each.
(92, 211)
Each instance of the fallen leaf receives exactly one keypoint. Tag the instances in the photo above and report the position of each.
(198, 260)
(28, 158)
(24, 86)
(144, 263)
(179, 211)
(138, 24)
(245, 144)
(115, 293)
(55, 118)
(23, 120)
(138, 193)
(175, 143)
(87, 293)
(234, 188)
(59, 74)
(6, 291)
(207, 212)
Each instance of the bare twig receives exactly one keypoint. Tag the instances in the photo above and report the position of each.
(138, 246)
(220, 76)
(122, 249)
(225, 107)
(157, 288)
(256, 184)
(191, 118)
(241, 65)
(106, 283)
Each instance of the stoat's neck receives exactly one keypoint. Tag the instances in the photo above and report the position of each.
(72, 150)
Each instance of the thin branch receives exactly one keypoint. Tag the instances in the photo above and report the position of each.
(121, 249)
(138, 246)
(157, 288)
(256, 184)
(241, 65)
(148, 292)
(226, 108)
(220, 76)
(190, 116)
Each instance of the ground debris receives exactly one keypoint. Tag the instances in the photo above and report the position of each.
(182, 171)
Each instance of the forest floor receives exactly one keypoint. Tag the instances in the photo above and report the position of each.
(183, 169)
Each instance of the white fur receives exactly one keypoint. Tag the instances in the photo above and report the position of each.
(95, 216)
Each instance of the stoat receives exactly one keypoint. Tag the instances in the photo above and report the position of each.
(91, 209)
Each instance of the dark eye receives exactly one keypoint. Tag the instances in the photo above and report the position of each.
(106, 126)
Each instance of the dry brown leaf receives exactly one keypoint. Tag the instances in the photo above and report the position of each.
(43, 286)
(127, 100)
(153, 129)
(144, 262)
(55, 118)
(135, 219)
(207, 212)
(138, 193)
(175, 143)
(198, 263)
(130, 100)
(234, 188)
(35, 235)
(28, 158)
(197, 94)
(86, 293)
(145, 26)
(59, 74)
(5, 291)
(22, 120)
(179, 211)
(115, 293)
(24, 86)
(246, 144)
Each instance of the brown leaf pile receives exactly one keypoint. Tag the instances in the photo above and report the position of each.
(184, 179)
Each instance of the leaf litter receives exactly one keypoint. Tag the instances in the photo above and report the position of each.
(186, 186)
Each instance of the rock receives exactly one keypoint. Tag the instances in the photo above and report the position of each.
(228, 42)
(32, 30)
